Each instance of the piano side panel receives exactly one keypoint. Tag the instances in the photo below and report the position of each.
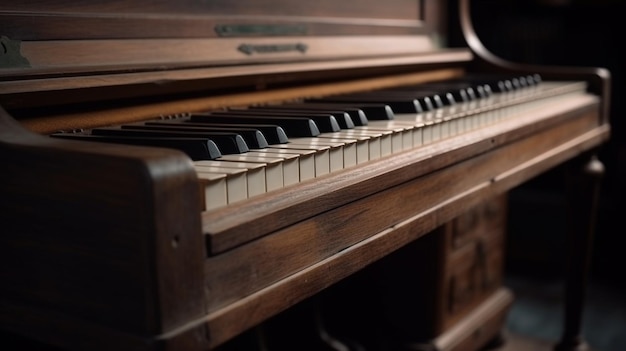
(104, 239)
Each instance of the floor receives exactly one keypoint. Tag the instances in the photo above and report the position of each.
(535, 320)
(515, 342)
(534, 274)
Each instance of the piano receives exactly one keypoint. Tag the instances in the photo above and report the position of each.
(270, 175)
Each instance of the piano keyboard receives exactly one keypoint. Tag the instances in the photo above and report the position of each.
(246, 152)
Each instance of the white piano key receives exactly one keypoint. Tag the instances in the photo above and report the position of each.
(391, 135)
(236, 183)
(291, 163)
(437, 133)
(444, 128)
(368, 142)
(335, 152)
(256, 173)
(397, 143)
(306, 162)
(427, 132)
(385, 144)
(471, 123)
(417, 121)
(321, 156)
(349, 147)
(213, 189)
(373, 152)
(361, 151)
(448, 113)
(273, 168)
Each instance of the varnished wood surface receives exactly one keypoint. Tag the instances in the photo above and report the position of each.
(326, 251)
(164, 19)
(356, 250)
(249, 283)
(115, 234)
(81, 44)
(98, 260)
(114, 114)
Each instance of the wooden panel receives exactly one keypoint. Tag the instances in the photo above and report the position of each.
(51, 39)
(400, 9)
(78, 99)
(478, 221)
(53, 20)
(478, 328)
(471, 272)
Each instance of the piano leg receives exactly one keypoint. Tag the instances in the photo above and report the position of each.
(583, 185)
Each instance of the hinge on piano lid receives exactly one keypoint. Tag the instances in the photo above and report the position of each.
(10, 54)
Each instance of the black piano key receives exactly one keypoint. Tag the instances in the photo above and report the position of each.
(195, 148)
(437, 99)
(457, 91)
(228, 143)
(429, 98)
(524, 82)
(516, 83)
(502, 83)
(440, 93)
(429, 103)
(373, 111)
(326, 123)
(448, 99)
(432, 99)
(483, 91)
(486, 82)
(424, 101)
(253, 137)
(533, 79)
(343, 118)
(294, 127)
(398, 104)
(273, 134)
(357, 115)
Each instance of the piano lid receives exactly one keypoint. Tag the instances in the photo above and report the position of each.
(52, 46)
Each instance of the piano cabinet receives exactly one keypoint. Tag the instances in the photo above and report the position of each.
(109, 246)
(462, 228)
(442, 291)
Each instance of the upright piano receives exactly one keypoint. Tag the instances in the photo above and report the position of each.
(272, 175)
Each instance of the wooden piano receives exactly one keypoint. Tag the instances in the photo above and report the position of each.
(378, 224)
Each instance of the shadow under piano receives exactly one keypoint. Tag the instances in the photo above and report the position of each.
(277, 175)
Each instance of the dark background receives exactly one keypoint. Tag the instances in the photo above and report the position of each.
(564, 33)
(567, 33)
